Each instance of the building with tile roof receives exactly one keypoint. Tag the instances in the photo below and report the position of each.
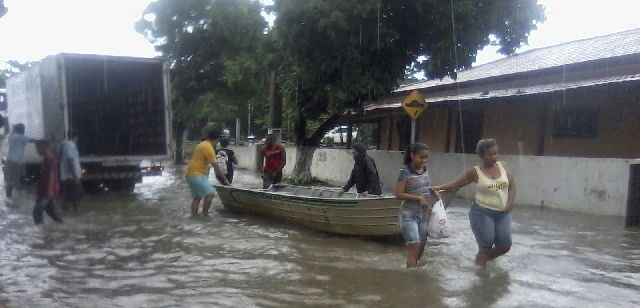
(580, 99)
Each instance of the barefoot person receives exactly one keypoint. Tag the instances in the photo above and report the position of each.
(489, 216)
(413, 187)
(198, 173)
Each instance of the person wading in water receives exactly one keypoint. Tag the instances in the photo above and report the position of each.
(490, 214)
(413, 188)
(204, 156)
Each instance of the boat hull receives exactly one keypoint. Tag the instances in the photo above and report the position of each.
(349, 216)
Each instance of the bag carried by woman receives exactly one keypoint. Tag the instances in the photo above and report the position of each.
(438, 225)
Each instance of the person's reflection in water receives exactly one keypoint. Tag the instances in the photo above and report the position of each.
(490, 287)
(358, 286)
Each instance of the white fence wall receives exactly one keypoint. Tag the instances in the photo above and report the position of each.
(589, 185)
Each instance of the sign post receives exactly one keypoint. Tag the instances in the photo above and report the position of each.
(414, 104)
(413, 130)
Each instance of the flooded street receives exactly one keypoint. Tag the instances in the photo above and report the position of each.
(143, 250)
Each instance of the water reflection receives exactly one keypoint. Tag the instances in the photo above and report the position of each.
(490, 286)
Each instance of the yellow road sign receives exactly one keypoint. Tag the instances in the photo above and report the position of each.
(414, 104)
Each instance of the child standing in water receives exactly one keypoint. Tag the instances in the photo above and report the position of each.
(413, 187)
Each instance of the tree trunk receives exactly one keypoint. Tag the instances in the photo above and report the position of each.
(350, 135)
(302, 170)
(307, 146)
(181, 133)
(274, 119)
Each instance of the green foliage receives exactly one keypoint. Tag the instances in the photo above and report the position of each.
(368, 134)
(330, 56)
(211, 46)
(336, 55)
(14, 68)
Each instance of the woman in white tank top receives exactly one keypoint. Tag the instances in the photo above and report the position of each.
(490, 214)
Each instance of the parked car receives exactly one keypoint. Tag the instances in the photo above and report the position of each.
(333, 136)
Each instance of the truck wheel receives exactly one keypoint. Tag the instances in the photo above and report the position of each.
(91, 187)
(123, 185)
(129, 185)
(31, 173)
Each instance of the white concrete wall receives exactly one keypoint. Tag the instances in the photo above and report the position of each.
(589, 185)
(246, 156)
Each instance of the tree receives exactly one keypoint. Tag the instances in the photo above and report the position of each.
(337, 55)
(15, 67)
(211, 46)
(3, 9)
(330, 56)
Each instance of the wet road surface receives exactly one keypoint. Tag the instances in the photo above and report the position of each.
(143, 250)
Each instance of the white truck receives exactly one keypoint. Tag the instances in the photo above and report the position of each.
(118, 106)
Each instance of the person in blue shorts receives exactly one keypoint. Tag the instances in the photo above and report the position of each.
(490, 214)
(197, 175)
(414, 189)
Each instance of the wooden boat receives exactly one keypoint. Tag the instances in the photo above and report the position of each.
(322, 209)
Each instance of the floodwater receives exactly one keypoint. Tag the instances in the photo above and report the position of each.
(143, 250)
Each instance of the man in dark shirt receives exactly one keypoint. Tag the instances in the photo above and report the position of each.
(48, 185)
(364, 174)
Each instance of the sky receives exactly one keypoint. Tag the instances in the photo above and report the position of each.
(570, 20)
(33, 29)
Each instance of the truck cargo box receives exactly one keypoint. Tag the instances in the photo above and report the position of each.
(119, 107)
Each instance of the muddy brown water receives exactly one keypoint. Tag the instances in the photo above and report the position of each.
(143, 250)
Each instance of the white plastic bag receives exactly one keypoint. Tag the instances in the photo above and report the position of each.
(438, 226)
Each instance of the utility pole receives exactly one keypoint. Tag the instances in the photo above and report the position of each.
(275, 108)
(249, 121)
(413, 130)
(237, 130)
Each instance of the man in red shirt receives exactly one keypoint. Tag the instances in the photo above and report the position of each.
(271, 161)
(48, 185)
